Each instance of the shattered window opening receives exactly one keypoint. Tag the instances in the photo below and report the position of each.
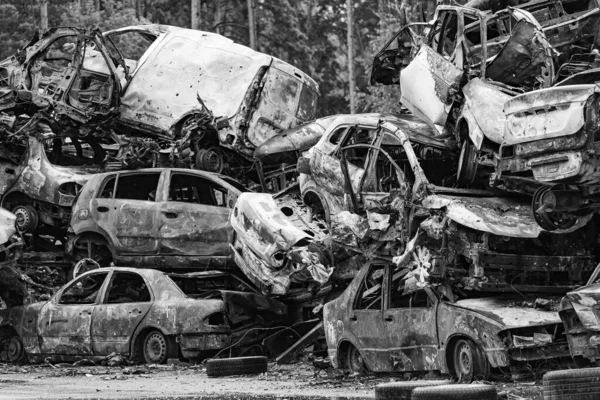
(400, 296)
(71, 151)
(84, 290)
(203, 286)
(127, 287)
(108, 190)
(359, 135)
(336, 136)
(132, 45)
(369, 296)
(196, 190)
(137, 186)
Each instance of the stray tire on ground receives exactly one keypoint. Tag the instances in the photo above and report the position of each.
(456, 392)
(403, 390)
(236, 366)
(572, 384)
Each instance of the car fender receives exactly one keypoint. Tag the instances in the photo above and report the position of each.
(94, 230)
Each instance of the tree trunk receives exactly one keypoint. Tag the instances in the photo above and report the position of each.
(251, 24)
(196, 7)
(44, 14)
(352, 84)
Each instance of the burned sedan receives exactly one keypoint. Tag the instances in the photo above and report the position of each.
(165, 218)
(218, 98)
(142, 313)
(385, 322)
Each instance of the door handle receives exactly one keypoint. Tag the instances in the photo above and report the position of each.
(9, 171)
(85, 312)
(353, 318)
(170, 215)
(389, 318)
(102, 209)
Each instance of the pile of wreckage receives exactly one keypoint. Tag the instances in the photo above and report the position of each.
(442, 238)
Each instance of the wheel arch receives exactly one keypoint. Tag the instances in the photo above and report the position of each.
(17, 196)
(137, 339)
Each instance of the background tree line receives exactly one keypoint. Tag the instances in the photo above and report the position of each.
(310, 34)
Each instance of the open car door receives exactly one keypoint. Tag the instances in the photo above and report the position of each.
(395, 55)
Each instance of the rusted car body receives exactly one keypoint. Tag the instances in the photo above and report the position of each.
(382, 323)
(164, 217)
(579, 311)
(43, 173)
(142, 313)
(381, 177)
(276, 248)
(218, 98)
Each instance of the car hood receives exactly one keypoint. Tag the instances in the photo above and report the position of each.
(509, 312)
(7, 225)
(496, 215)
(286, 146)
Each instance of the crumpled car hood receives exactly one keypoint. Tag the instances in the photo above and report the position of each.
(508, 312)
(586, 303)
(496, 215)
(7, 225)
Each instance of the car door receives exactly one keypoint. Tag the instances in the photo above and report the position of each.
(410, 326)
(395, 55)
(430, 81)
(127, 301)
(125, 208)
(326, 162)
(64, 323)
(366, 321)
(193, 218)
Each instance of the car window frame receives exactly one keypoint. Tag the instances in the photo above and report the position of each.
(432, 298)
(221, 183)
(56, 299)
(104, 299)
(359, 291)
(159, 185)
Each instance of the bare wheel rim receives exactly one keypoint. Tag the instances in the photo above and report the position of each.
(355, 361)
(155, 348)
(464, 360)
(15, 349)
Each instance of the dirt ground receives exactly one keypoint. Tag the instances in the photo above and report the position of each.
(296, 381)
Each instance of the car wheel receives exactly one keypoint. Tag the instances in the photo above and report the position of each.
(403, 390)
(467, 163)
(210, 160)
(14, 350)
(572, 384)
(456, 392)
(236, 366)
(27, 218)
(550, 220)
(469, 362)
(95, 251)
(355, 362)
(158, 348)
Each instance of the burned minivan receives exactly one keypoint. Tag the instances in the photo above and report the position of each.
(218, 99)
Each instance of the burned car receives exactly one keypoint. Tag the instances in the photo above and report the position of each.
(277, 249)
(43, 172)
(386, 322)
(485, 63)
(378, 180)
(579, 311)
(141, 313)
(218, 99)
(165, 217)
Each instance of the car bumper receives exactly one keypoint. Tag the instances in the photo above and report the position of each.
(192, 345)
(537, 353)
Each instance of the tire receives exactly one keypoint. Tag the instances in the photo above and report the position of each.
(403, 390)
(15, 350)
(158, 348)
(210, 160)
(456, 392)
(468, 361)
(27, 218)
(572, 384)
(94, 250)
(236, 366)
(355, 362)
(467, 165)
